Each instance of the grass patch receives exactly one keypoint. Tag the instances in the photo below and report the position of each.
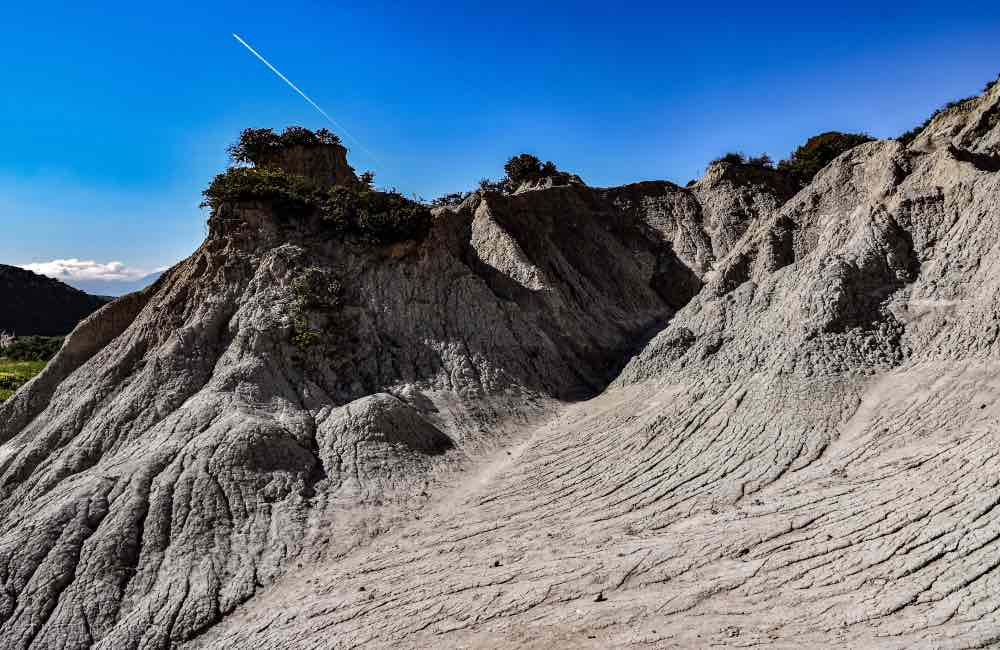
(14, 374)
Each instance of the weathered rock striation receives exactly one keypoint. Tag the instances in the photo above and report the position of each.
(456, 456)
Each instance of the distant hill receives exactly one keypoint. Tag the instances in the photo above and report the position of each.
(115, 287)
(32, 304)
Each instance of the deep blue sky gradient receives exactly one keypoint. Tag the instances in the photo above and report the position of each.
(115, 118)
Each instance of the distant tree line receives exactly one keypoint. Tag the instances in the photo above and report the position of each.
(818, 151)
(29, 348)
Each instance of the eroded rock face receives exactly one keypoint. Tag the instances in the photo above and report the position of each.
(299, 440)
(802, 457)
(286, 394)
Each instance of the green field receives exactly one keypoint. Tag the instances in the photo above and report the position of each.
(15, 373)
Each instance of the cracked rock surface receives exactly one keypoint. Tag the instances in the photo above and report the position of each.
(485, 448)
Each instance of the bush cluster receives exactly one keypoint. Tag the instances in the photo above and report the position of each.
(806, 161)
(359, 209)
(732, 157)
(259, 146)
(289, 194)
(490, 186)
(519, 169)
(382, 217)
(32, 348)
(525, 167)
(818, 152)
(315, 290)
(739, 158)
(453, 198)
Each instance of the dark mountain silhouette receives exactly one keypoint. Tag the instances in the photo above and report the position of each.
(32, 304)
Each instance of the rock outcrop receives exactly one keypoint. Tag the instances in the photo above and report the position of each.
(288, 392)
(800, 455)
(323, 164)
(35, 305)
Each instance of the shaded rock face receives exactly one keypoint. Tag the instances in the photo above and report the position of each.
(32, 304)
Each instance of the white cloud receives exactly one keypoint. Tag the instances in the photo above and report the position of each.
(76, 270)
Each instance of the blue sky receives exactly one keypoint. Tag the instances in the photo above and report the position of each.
(116, 118)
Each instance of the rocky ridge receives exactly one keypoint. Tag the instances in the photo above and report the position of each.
(799, 456)
(286, 393)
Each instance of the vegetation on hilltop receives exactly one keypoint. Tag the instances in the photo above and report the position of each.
(357, 209)
(453, 198)
(524, 167)
(289, 194)
(259, 146)
(806, 161)
(911, 135)
(520, 169)
(381, 217)
(818, 152)
(739, 158)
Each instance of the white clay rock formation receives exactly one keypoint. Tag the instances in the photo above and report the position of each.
(484, 448)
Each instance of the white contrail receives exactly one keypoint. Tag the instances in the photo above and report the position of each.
(304, 96)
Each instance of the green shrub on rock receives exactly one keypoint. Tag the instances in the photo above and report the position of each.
(739, 158)
(525, 167)
(306, 339)
(453, 198)
(259, 146)
(489, 186)
(818, 152)
(381, 217)
(732, 157)
(291, 195)
(356, 209)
